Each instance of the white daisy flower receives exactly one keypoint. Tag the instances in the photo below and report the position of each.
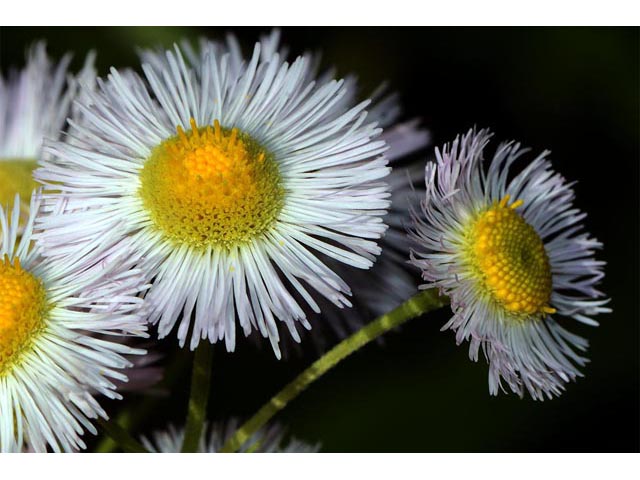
(34, 104)
(389, 274)
(266, 440)
(50, 364)
(230, 181)
(512, 257)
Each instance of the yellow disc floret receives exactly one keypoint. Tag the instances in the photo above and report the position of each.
(509, 260)
(16, 176)
(211, 186)
(23, 311)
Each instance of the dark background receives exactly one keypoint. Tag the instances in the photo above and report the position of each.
(571, 90)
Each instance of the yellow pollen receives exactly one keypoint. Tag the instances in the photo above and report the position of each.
(23, 310)
(211, 186)
(509, 260)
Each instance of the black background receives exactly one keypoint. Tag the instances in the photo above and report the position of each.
(571, 90)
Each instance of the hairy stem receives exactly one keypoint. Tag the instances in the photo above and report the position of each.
(200, 386)
(417, 305)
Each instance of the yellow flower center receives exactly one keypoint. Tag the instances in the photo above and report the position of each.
(509, 259)
(16, 176)
(23, 310)
(211, 186)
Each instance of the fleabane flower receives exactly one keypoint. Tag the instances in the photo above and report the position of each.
(387, 283)
(268, 439)
(512, 256)
(51, 365)
(34, 104)
(229, 181)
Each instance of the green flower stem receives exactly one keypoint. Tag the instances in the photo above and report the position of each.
(417, 305)
(121, 437)
(200, 386)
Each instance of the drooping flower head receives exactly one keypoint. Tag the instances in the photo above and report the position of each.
(268, 439)
(34, 104)
(51, 364)
(512, 256)
(229, 179)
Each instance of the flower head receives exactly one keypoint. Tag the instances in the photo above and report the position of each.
(267, 440)
(511, 255)
(34, 104)
(387, 283)
(51, 364)
(229, 179)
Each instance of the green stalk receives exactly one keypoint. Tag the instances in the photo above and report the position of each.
(417, 305)
(121, 437)
(200, 386)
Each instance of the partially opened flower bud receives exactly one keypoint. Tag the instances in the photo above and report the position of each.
(270, 439)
